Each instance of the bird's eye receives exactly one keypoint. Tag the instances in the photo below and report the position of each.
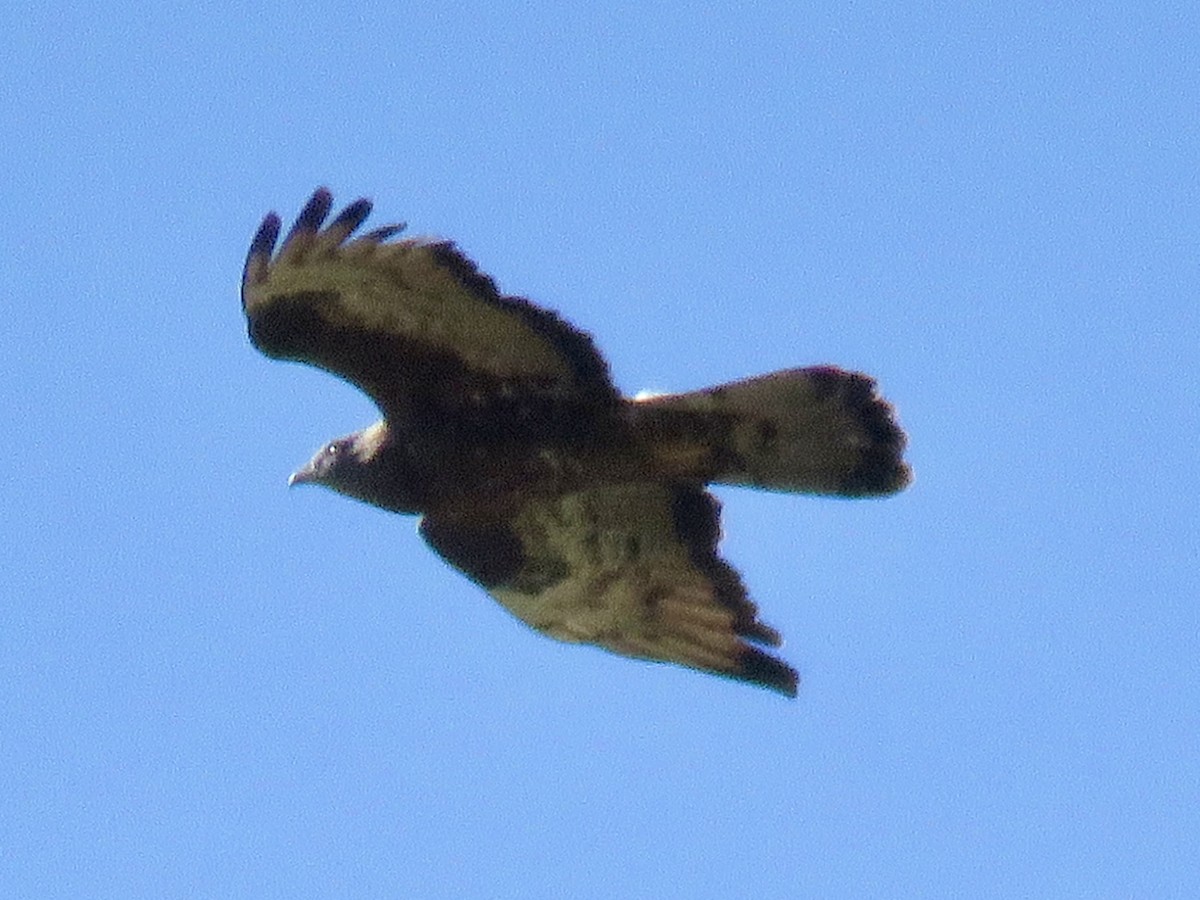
(331, 450)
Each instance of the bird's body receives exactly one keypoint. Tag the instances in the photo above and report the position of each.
(582, 511)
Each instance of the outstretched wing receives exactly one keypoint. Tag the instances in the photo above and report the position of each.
(412, 322)
(632, 568)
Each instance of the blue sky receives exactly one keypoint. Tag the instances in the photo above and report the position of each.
(212, 686)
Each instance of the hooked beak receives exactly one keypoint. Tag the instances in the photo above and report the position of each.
(303, 475)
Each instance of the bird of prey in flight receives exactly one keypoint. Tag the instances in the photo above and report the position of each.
(582, 511)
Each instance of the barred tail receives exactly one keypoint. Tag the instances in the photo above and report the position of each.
(818, 430)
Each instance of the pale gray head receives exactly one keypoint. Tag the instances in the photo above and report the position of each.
(344, 464)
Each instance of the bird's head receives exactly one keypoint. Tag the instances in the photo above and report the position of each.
(345, 464)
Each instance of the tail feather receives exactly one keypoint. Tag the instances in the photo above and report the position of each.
(818, 430)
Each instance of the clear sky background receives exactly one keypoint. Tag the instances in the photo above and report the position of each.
(212, 686)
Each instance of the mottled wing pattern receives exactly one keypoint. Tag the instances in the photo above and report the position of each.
(632, 568)
(411, 322)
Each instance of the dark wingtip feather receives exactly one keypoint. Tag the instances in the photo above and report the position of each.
(379, 235)
(313, 215)
(765, 670)
(352, 216)
(259, 255)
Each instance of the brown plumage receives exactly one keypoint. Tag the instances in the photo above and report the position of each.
(583, 512)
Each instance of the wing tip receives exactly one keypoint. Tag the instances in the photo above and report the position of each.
(763, 670)
(312, 216)
(258, 257)
(348, 220)
(309, 234)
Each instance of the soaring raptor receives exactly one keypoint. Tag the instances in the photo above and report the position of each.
(582, 511)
